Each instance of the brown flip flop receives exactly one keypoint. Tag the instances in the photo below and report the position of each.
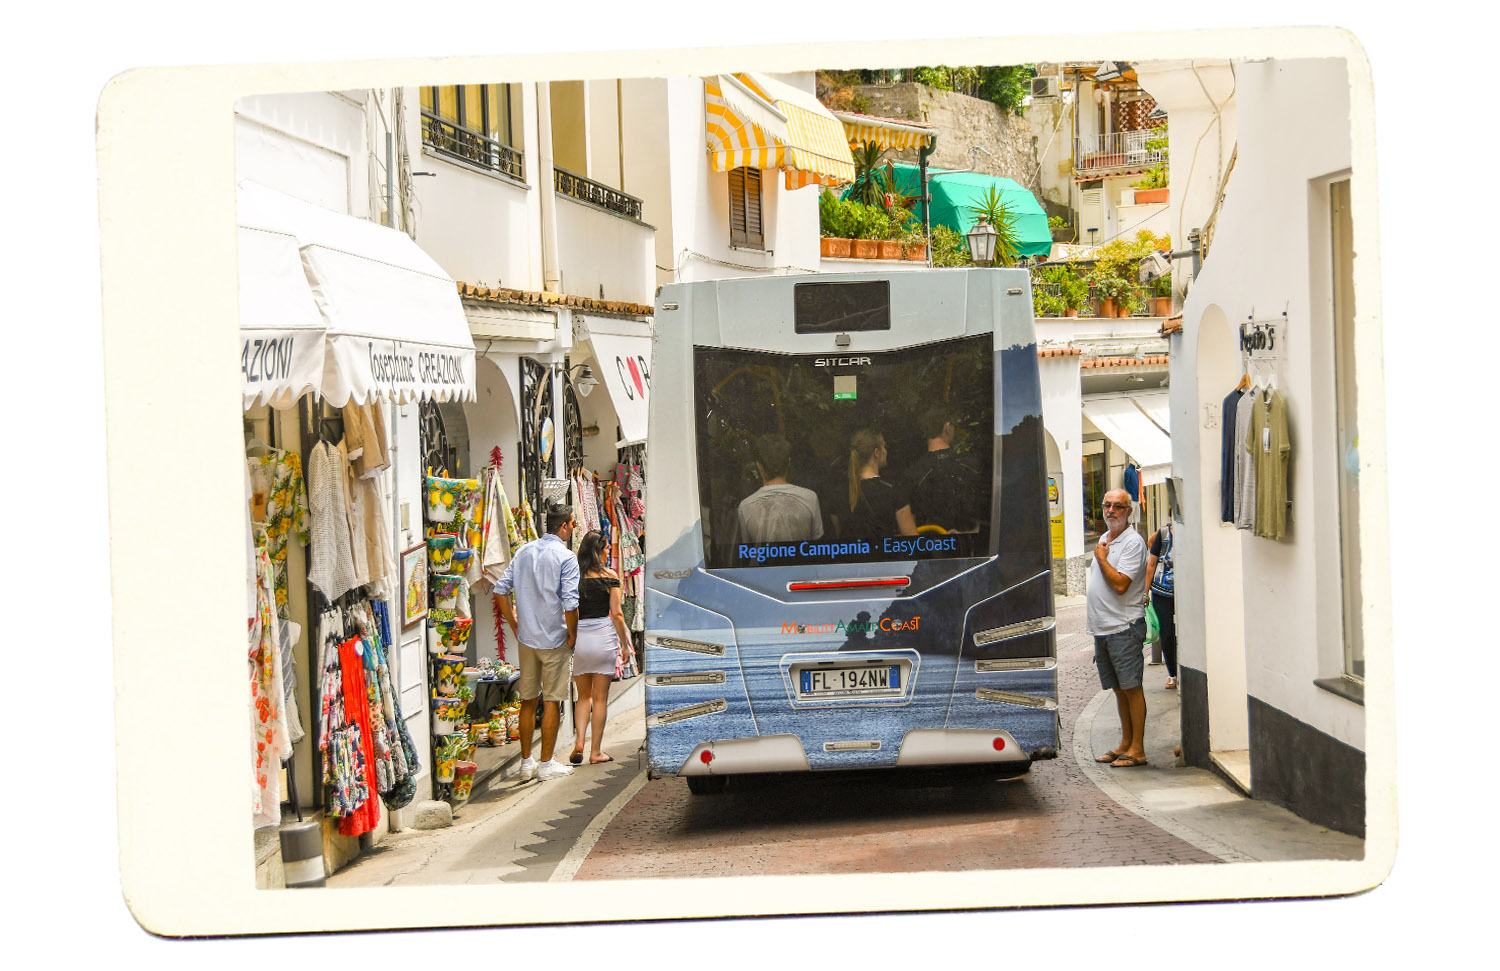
(1108, 757)
(576, 758)
(1126, 762)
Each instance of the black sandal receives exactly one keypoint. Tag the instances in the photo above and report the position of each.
(576, 758)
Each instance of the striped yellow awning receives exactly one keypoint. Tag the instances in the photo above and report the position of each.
(886, 133)
(760, 123)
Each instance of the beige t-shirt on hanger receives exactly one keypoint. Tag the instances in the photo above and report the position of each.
(1270, 451)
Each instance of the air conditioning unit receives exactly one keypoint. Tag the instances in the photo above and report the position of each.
(1044, 87)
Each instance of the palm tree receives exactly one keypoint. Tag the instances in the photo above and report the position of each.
(992, 208)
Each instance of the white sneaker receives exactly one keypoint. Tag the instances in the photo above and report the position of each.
(528, 769)
(553, 770)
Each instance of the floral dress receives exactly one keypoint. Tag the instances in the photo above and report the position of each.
(269, 738)
(279, 476)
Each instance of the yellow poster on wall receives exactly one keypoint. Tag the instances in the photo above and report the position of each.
(1055, 511)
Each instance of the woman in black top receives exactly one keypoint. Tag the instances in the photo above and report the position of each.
(601, 619)
(877, 506)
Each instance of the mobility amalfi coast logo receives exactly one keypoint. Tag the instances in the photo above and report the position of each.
(887, 624)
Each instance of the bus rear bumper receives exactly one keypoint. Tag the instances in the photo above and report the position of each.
(923, 747)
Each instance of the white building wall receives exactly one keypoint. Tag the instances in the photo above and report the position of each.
(1062, 416)
(1262, 262)
(481, 228)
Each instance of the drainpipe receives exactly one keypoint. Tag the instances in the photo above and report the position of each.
(551, 277)
(922, 156)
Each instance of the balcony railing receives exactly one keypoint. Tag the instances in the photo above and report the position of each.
(446, 138)
(1118, 150)
(575, 186)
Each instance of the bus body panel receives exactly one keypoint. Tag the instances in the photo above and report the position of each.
(929, 626)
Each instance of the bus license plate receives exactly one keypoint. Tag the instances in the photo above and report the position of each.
(866, 679)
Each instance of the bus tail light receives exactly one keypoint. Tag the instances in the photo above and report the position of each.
(706, 757)
(849, 584)
(999, 744)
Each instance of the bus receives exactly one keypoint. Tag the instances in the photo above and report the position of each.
(799, 616)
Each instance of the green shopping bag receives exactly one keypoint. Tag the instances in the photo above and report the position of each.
(1153, 629)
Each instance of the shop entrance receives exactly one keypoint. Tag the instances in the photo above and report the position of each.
(1222, 601)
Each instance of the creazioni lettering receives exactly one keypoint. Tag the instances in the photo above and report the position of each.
(266, 360)
(920, 544)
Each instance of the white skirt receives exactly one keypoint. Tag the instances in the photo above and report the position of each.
(596, 648)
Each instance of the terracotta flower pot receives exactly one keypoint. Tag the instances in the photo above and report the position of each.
(1070, 312)
(865, 249)
(1162, 308)
(835, 247)
(1107, 307)
(916, 252)
(1145, 196)
(890, 249)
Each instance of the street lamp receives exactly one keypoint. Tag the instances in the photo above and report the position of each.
(982, 241)
(584, 382)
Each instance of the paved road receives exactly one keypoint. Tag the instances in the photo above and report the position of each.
(1054, 818)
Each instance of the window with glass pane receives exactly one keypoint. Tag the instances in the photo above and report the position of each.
(471, 122)
(1348, 426)
(818, 405)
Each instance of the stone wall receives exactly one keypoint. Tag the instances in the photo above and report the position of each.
(962, 122)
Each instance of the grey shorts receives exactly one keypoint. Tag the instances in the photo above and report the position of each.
(1120, 657)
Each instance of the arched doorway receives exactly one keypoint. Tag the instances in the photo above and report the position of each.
(1219, 598)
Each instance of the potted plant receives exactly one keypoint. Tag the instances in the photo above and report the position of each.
(1073, 290)
(1045, 303)
(1161, 298)
(833, 224)
(1110, 290)
(1152, 187)
(890, 236)
(866, 238)
(1060, 231)
(915, 243)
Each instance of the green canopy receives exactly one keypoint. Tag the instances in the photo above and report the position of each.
(954, 192)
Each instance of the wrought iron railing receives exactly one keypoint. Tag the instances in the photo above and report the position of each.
(1121, 149)
(446, 138)
(536, 405)
(575, 186)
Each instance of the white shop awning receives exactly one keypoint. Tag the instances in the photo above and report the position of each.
(393, 323)
(1129, 426)
(622, 354)
(281, 330)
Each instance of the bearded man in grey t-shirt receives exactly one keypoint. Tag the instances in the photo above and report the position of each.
(1116, 618)
(778, 512)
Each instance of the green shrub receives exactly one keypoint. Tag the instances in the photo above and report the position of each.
(949, 248)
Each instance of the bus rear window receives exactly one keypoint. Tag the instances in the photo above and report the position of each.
(834, 308)
(827, 458)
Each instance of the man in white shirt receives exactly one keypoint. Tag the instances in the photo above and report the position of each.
(1117, 619)
(778, 512)
(543, 575)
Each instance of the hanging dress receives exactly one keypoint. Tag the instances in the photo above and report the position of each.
(332, 566)
(269, 738)
(278, 475)
(357, 709)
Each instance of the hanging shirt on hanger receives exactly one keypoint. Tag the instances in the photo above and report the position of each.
(364, 434)
(1244, 468)
(355, 513)
(1270, 449)
(1133, 482)
(1229, 456)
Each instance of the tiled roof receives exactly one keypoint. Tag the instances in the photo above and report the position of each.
(541, 298)
(1101, 362)
(1059, 352)
(1172, 325)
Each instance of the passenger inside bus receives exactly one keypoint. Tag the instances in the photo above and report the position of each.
(777, 512)
(944, 486)
(878, 506)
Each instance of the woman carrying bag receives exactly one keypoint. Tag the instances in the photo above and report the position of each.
(1161, 599)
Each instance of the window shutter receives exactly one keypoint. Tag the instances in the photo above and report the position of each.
(745, 223)
(737, 207)
(754, 235)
